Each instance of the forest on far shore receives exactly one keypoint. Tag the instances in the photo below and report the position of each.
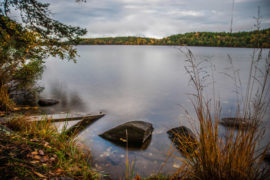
(250, 39)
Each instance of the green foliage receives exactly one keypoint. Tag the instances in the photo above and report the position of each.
(254, 39)
(219, 39)
(130, 40)
(24, 46)
(28, 73)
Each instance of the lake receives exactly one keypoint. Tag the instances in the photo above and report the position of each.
(147, 83)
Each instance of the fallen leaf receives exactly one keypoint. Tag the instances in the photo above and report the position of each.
(46, 144)
(37, 157)
(39, 175)
(28, 155)
(34, 162)
(51, 173)
(34, 153)
(59, 171)
(41, 152)
(44, 158)
(34, 140)
(2, 113)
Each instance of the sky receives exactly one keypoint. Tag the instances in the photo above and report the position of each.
(159, 18)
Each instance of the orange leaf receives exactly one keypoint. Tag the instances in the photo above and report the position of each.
(39, 175)
(34, 162)
(34, 153)
(37, 157)
(59, 171)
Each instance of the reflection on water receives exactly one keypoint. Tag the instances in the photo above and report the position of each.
(70, 101)
(133, 146)
(129, 83)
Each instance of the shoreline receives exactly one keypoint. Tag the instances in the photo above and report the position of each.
(267, 48)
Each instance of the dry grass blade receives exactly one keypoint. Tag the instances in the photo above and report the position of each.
(237, 155)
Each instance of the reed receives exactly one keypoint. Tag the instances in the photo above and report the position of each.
(237, 154)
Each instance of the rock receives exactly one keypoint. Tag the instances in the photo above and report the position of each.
(25, 97)
(135, 132)
(183, 138)
(236, 122)
(47, 102)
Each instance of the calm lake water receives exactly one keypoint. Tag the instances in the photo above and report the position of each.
(147, 83)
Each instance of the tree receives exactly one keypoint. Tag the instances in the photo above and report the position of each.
(25, 45)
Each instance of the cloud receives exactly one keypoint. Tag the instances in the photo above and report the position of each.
(158, 18)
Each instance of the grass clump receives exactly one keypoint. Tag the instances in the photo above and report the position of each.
(237, 154)
(37, 150)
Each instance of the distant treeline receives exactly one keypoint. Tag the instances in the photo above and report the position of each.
(220, 39)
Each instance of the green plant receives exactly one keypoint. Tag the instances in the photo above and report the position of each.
(26, 42)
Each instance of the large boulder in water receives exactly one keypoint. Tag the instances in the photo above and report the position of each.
(136, 133)
(47, 102)
(183, 138)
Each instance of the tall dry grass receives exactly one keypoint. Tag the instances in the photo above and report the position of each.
(236, 155)
(5, 102)
(71, 156)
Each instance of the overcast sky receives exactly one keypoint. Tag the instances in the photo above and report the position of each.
(158, 18)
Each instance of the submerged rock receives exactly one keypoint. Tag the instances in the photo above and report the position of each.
(183, 138)
(236, 122)
(136, 133)
(47, 102)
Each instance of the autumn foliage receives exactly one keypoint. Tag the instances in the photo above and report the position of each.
(252, 39)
